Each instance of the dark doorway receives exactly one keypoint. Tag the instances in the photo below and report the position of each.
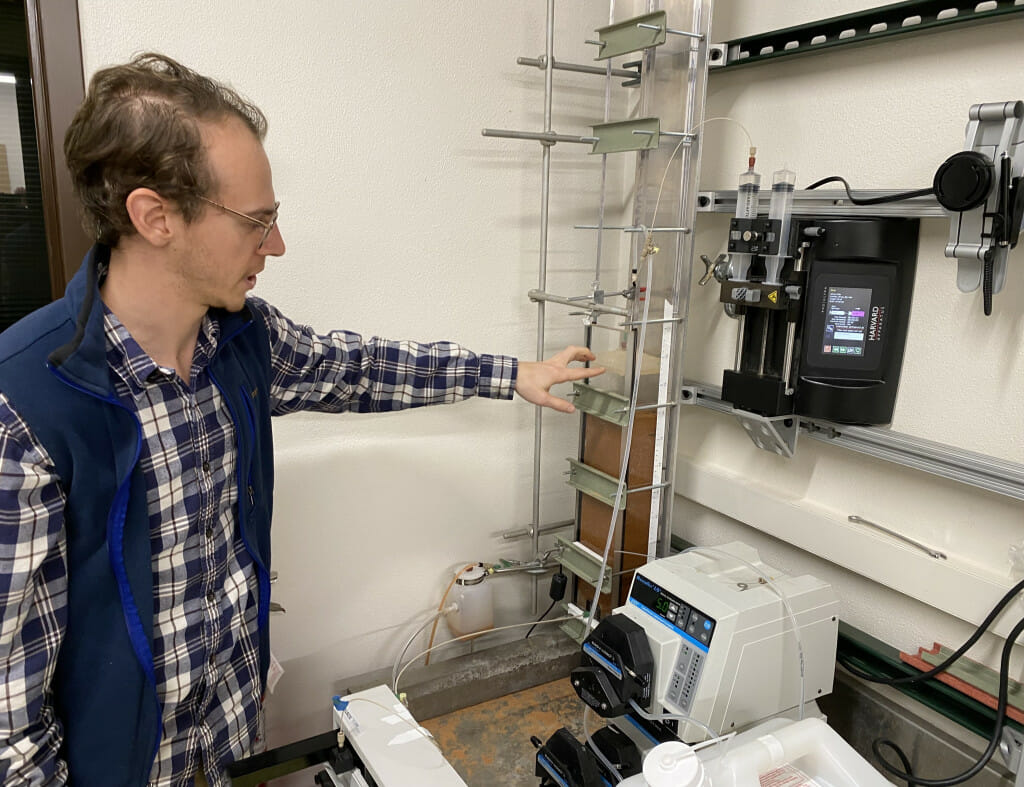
(25, 281)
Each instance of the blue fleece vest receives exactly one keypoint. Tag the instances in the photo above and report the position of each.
(53, 368)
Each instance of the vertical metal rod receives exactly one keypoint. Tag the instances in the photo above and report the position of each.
(588, 330)
(696, 96)
(787, 364)
(549, 61)
(764, 345)
(741, 325)
(604, 173)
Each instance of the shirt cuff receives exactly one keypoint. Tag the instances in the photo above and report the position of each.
(497, 376)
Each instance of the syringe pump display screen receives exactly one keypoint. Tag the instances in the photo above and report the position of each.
(846, 321)
(675, 613)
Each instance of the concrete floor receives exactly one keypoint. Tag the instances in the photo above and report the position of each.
(489, 743)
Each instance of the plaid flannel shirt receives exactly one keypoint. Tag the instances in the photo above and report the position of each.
(205, 588)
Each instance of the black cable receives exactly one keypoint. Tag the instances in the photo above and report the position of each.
(993, 744)
(546, 611)
(876, 747)
(982, 628)
(871, 200)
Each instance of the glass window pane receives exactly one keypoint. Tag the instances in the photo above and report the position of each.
(24, 262)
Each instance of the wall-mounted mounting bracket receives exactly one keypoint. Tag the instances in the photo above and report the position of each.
(873, 24)
(829, 202)
(1011, 746)
(776, 434)
(956, 464)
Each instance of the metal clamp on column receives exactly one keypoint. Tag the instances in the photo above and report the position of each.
(584, 563)
(600, 486)
(608, 406)
(586, 302)
(640, 32)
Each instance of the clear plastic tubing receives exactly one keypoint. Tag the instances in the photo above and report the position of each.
(781, 207)
(746, 208)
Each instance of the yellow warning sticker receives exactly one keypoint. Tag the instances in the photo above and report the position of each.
(773, 296)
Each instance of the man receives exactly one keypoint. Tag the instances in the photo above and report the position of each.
(136, 466)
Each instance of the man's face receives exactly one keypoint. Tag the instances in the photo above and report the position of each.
(219, 260)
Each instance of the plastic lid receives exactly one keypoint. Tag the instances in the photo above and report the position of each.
(473, 576)
(673, 764)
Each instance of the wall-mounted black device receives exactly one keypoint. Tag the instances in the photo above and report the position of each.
(826, 339)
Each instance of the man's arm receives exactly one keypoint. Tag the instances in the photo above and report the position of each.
(340, 371)
(33, 605)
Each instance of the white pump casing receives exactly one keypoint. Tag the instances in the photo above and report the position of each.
(733, 660)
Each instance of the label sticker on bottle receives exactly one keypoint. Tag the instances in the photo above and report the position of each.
(787, 776)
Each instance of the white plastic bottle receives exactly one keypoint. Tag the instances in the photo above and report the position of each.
(672, 764)
(807, 753)
(474, 596)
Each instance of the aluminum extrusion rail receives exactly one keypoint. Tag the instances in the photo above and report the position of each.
(874, 24)
(830, 202)
(966, 467)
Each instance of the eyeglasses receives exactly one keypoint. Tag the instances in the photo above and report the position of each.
(268, 226)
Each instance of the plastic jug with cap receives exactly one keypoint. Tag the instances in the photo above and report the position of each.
(777, 753)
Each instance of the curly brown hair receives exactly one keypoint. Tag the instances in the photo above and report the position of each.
(139, 128)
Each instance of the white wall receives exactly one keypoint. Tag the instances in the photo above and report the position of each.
(883, 116)
(400, 220)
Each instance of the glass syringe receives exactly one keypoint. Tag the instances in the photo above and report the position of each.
(780, 209)
(746, 208)
(739, 265)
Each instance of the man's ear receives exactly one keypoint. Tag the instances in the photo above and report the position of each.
(153, 217)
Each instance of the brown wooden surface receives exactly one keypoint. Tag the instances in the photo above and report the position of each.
(602, 450)
(489, 743)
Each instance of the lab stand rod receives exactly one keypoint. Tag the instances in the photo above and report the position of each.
(649, 487)
(549, 61)
(660, 321)
(604, 179)
(966, 467)
(532, 567)
(657, 406)
(680, 134)
(588, 329)
(670, 31)
(541, 297)
(511, 535)
(545, 136)
(539, 62)
(684, 230)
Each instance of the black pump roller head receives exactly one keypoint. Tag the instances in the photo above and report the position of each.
(964, 181)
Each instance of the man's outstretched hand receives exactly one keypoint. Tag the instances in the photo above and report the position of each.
(535, 378)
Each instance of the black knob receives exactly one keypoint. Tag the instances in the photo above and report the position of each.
(964, 181)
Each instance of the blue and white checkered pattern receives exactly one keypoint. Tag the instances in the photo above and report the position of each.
(205, 589)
